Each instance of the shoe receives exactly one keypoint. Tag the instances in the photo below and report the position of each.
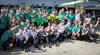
(44, 46)
(57, 45)
(50, 46)
(4, 49)
(96, 43)
(22, 49)
(27, 50)
(39, 49)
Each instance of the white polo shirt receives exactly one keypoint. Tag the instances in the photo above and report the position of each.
(20, 36)
(61, 28)
(34, 34)
(77, 17)
(26, 33)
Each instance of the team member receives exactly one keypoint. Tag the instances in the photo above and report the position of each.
(69, 28)
(3, 22)
(71, 16)
(20, 14)
(77, 16)
(40, 37)
(27, 36)
(88, 19)
(61, 15)
(76, 32)
(47, 36)
(20, 39)
(34, 36)
(85, 33)
(22, 25)
(28, 15)
(53, 34)
(12, 15)
(61, 30)
(6, 39)
(92, 31)
(28, 24)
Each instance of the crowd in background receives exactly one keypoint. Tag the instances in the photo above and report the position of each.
(18, 27)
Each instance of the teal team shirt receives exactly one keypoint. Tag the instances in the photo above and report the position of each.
(15, 8)
(8, 9)
(42, 8)
(21, 27)
(36, 9)
(4, 19)
(14, 16)
(76, 29)
(21, 16)
(34, 15)
(48, 10)
(28, 16)
(61, 15)
(69, 29)
(53, 9)
(15, 31)
(5, 36)
(71, 17)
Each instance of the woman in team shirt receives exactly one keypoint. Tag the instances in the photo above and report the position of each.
(76, 32)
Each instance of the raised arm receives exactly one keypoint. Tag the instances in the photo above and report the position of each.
(14, 28)
(97, 22)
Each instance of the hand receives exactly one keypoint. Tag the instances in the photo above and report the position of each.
(17, 26)
(66, 8)
(6, 10)
(11, 45)
(24, 42)
(32, 16)
(91, 38)
(98, 19)
(2, 22)
(47, 34)
(60, 19)
(82, 34)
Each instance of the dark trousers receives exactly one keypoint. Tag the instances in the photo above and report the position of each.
(85, 37)
(55, 39)
(1, 32)
(20, 43)
(69, 36)
(95, 36)
(38, 42)
(48, 39)
(23, 45)
(62, 36)
(31, 40)
(6, 43)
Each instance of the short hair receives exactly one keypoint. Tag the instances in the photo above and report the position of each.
(71, 9)
(99, 16)
(25, 27)
(62, 21)
(54, 23)
(33, 26)
(43, 4)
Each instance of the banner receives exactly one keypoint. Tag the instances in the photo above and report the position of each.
(39, 21)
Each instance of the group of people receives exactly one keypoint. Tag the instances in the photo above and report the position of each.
(18, 29)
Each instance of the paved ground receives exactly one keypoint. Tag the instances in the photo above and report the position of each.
(69, 47)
